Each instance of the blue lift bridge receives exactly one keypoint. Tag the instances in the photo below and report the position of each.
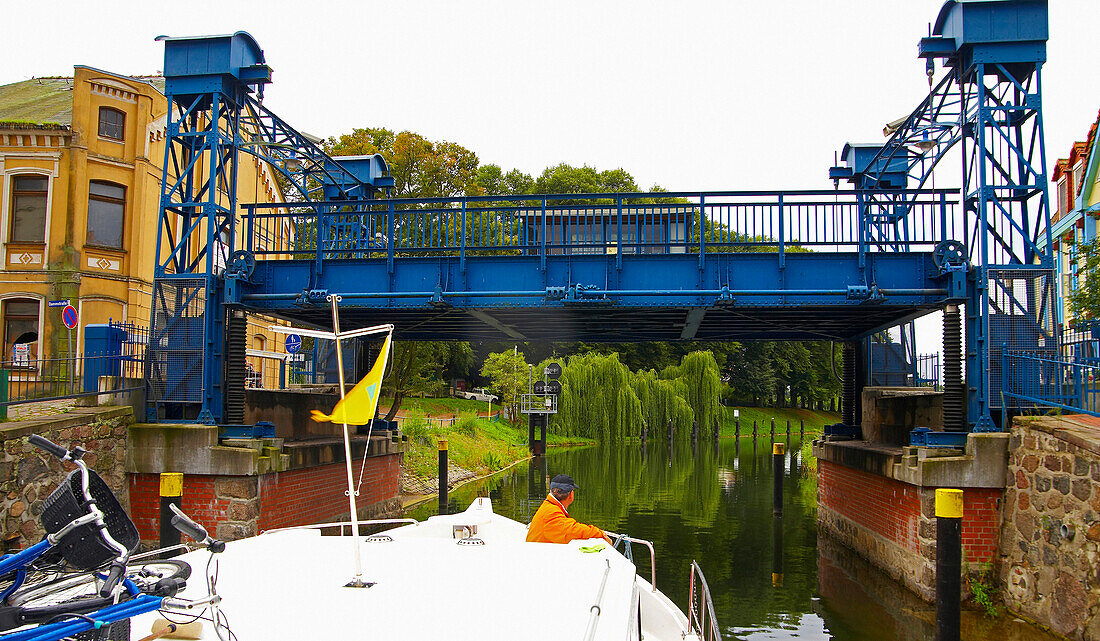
(727, 265)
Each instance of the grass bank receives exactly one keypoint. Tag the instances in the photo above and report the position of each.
(476, 444)
(815, 420)
(438, 407)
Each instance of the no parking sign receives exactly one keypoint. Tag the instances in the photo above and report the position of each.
(68, 316)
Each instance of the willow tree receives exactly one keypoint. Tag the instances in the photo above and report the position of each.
(598, 399)
(701, 384)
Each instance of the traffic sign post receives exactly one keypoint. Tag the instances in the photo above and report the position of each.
(68, 316)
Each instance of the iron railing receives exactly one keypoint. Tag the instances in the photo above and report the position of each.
(651, 223)
(1039, 378)
(122, 370)
(701, 619)
(928, 371)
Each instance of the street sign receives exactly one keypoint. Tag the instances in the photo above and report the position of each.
(293, 343)
(552, 371)
(540, 387)
(64, 302)
(68, 316)
(553, 387)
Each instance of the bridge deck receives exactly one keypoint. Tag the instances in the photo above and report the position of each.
(605, 267)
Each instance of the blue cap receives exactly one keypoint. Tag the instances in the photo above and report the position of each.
(563, 482)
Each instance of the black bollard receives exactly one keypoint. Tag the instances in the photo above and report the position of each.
(442, 476)
(736, 428)
(788, 428)
(171, 493)
(778, 449)
(754, 429)
(670, 431)
(773, 428)
(949, 513)
(801, 428)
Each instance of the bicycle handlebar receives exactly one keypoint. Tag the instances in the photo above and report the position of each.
(113, 577)
(184, 524)
(49, 446)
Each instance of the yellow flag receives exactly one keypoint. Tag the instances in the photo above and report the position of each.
(357, 407)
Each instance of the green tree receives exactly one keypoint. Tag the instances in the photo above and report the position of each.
(1084, 302)
(507, 373)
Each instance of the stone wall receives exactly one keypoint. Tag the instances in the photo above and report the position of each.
(28, 475)
(1050, 533)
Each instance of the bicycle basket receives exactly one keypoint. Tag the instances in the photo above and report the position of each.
(84, 547)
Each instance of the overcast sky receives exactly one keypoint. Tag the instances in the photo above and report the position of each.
(688, 95)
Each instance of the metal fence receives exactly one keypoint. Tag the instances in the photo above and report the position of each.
(928, 371)
(657, 223)
(120, 370)
(1034, 379)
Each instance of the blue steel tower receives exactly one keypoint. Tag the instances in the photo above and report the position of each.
(214, 86)
(989, 105)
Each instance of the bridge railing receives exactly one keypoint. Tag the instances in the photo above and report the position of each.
(1041, 378)
(572, 224)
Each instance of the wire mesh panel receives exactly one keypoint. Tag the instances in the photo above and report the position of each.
(1021, 302)
(175, 353)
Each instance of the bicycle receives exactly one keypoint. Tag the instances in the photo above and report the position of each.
(87, 527)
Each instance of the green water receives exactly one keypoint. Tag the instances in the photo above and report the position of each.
(771, 578)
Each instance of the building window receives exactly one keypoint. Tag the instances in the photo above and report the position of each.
(106, 203)
(28, 209)
(20, 332)
(112, 123)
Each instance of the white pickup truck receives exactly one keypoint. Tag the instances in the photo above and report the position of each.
(477, 394)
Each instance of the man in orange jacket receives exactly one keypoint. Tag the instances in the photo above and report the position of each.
(552, 524)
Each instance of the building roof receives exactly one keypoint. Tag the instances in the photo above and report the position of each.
(38, 101)
(48, 102)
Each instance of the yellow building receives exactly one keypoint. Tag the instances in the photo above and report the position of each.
(80, 170)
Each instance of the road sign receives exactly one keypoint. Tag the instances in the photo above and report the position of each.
(64, 302)
(293, 343)
(540, 387)
(552, 371)
(553, 387)
(68, 316)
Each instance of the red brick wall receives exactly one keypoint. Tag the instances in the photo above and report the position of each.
(886, 507)
(199, 502)
(297, 497)
(316, 494)
(893, 510)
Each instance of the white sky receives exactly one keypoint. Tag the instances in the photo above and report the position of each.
(689, 95)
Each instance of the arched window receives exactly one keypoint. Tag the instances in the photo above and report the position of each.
(20, 332)
(112, 123)
(28, 209)
(106, 204)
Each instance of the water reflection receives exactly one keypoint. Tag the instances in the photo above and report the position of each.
(714, 505)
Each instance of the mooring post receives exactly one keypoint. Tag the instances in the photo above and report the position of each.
(737, 428)
(670, 430)
(171, 493)
(442, 476)
(801, 428)
(778, 450)
(773, 428)
(531, 434)
(754, 429)
(949, 513)
(542, 432)
(695, 430)
(788, 428)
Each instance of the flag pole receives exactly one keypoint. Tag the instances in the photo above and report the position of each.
(357, 581)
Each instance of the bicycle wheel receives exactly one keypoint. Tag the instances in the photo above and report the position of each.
(70, 587)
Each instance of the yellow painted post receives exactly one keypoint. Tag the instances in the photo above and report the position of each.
(949, 514)
(171, 493)
(442, 476)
